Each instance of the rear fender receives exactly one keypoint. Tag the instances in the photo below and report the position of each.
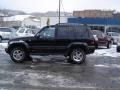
(71, 46)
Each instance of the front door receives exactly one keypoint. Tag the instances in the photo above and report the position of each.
(44, 41)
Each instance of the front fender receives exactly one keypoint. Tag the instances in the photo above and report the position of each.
(18, 42)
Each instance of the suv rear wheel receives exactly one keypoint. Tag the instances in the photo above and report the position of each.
(77, 56)
(18, 54)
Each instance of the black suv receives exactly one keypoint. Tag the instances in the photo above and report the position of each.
(71, 40)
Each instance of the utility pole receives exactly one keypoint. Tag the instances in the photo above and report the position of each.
(59, 10)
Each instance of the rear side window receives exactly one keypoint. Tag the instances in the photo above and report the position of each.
(65, 32)
(22, 31)
(81, 32)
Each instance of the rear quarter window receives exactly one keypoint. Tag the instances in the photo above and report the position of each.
(65, 32)
(82, 32)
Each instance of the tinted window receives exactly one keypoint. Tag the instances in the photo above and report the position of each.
(28, 31)
(81, 32)
(47, 33)
(65, 32)
(22, 31)
(5, 30)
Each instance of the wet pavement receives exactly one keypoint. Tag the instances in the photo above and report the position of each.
(54, 73)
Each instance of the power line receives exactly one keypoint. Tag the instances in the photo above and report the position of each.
(63, 8)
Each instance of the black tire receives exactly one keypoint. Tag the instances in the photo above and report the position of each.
(77, 59)
(96, 46)
(0, 39)
(21, 57)
(109, 45)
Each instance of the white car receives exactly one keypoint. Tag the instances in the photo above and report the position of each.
(115, 36)
(25, 32)
(7, 33)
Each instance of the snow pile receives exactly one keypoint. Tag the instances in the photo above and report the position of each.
(108, 65)
(16, 18)
(3, 46)
(107, 52)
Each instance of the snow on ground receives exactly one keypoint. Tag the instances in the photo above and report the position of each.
(108, 65)
(3, 46)
(107, 52)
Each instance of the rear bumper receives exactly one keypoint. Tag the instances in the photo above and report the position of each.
(91, 49)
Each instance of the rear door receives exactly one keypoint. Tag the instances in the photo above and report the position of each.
(65, 36)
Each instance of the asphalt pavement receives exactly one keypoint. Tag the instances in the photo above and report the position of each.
(54, 73)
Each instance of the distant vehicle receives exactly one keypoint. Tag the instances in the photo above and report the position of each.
(115, 36)
(7, 33)
(25, 32)
(101, 39)
(71, 40)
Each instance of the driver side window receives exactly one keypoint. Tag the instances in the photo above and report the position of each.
(47, 33)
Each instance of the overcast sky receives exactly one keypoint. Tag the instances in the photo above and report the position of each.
(52, 5)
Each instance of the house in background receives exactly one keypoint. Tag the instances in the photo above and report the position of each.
(30, 20)
(14, 21)
(1, 19)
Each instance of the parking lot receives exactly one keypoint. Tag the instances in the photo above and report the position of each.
(100, 71)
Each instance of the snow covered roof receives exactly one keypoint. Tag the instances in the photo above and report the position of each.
(16, 18)
(36, 20)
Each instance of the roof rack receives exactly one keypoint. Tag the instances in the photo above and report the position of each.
(74, 24)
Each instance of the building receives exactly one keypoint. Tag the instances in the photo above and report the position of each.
(1, 19)
(29, 20)
(14, 21)
(103, 24)
(52, 20)
(93, 14)
(97, 19)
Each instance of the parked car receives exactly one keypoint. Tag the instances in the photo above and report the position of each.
(7, 33)
(71, 40)
(115, 37)
(25, 32)
(103, 39)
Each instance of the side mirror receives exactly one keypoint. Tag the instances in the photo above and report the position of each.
(36, 36)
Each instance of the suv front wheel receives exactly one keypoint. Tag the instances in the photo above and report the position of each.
(18, 54)
(77, 56)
